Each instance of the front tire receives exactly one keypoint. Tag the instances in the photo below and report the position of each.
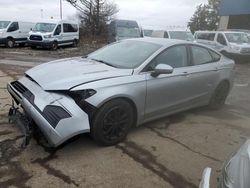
(112, 122)
(219, 96)
(10, 43)
(54, 46)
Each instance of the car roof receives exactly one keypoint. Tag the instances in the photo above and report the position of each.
(165, 43)
(220, 31)
(231, 32)
(206, 31)
(55, 21)
(161, 41)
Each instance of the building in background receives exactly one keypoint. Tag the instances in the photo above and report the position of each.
(234, 14)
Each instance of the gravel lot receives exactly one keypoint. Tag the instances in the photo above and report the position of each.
(170, 152)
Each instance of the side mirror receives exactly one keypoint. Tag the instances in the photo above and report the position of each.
(205, 181)
(162, 69)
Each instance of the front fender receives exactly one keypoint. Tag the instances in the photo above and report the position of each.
(132, 88)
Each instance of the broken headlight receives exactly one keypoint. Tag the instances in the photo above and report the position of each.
(80, 96)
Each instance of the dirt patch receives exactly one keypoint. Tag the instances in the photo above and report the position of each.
(11, 171)
(2, 133)
(182, 144)
(45, 55)
(52, 171)
(149, 161)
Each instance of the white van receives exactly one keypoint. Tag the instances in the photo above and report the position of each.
(14, 32)
(54, 33)
(180, 35)
(123, 29)
(233, 44)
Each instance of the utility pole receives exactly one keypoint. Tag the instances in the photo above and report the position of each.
(41, 13)
(61, 9)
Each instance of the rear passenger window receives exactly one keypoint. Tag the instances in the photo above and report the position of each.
(201, 55)
(69, 28)
(206, 36)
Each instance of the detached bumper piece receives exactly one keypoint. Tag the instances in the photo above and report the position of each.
(24, 123)
(53, 114)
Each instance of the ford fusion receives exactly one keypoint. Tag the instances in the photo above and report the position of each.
(122, 85)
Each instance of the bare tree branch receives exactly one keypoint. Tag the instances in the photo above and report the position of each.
(95, 14)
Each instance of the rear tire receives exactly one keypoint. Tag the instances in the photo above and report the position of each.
(219, 96)
(10, 43)
(112, 122)
(75, 43)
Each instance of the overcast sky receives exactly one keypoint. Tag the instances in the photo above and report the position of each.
(160, 14)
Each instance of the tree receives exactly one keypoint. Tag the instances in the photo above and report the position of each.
(95, 14)
(206, 17)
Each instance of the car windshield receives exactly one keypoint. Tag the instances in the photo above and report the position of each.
(181, 35)
(237, 37)
(128, 32)
(4, 24)
(125, 54)
(44, 27)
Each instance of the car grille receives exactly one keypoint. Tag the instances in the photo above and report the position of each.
(53, 114)
(36, 37)
(245, 51)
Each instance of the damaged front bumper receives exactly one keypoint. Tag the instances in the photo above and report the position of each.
(24, 123)
(57, 115)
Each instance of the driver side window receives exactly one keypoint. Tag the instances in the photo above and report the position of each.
(221, 39)
(13, 27)
(176, 57)
(58, 30)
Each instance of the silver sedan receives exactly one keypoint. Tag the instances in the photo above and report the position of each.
(122, 85)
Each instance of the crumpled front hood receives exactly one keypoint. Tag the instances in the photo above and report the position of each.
(67, 73)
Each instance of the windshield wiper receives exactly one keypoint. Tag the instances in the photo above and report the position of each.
(104, 62)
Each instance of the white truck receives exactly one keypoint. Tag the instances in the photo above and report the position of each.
(14, 32)
(54, 33)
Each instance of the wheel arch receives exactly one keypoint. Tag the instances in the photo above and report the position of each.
(127, 99)
(226, 81)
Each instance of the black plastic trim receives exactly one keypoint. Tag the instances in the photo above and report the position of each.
(53, 114)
